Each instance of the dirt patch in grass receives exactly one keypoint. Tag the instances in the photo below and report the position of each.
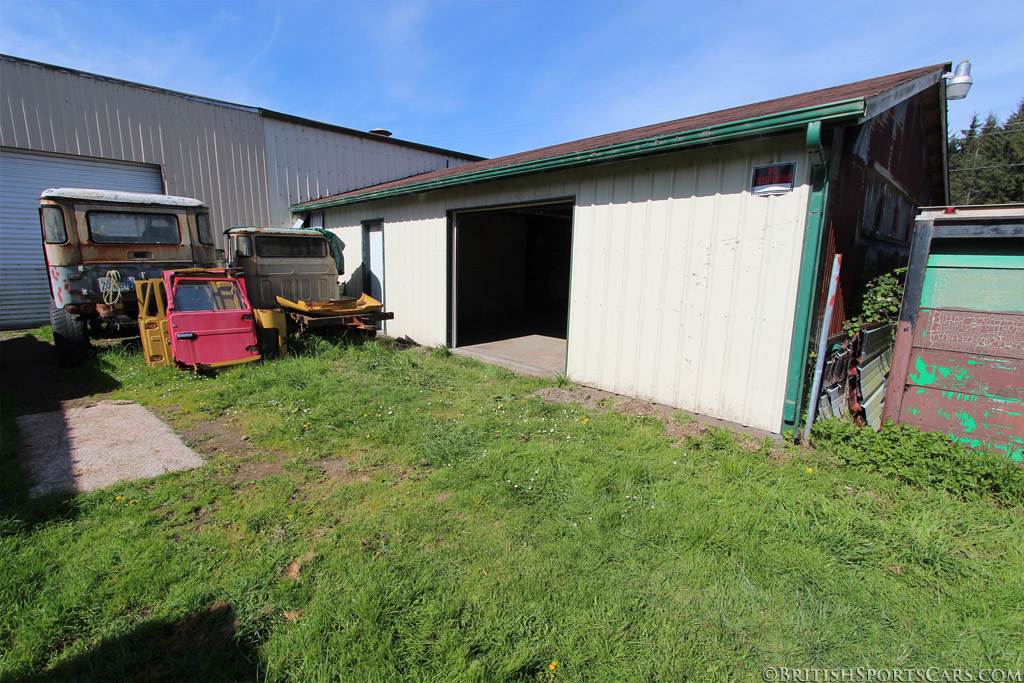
(693, 425)
(342, 471)
(587, 397)
(679, 432)
(215, 435)
(779, 455)
(254, 471)
(293, 569)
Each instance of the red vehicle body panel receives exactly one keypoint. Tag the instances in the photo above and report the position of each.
(210, 319)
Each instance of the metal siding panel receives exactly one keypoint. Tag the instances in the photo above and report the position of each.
(968, 373)
(24, 290)
(652, 289)
(975, 332)
(978, 421)
(206, 150)
(303, 160)
(704, 331)
(997, 290)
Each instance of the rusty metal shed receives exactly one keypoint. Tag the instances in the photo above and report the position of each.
(958, 364)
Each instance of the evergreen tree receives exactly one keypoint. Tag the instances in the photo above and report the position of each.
(986, 161)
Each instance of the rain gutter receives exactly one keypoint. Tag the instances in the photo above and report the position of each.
(761, 125)
(808, 283)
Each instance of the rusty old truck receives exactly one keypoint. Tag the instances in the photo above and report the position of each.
(297, 270)
(99, 242)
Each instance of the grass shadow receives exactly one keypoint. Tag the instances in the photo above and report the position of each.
(205, 646)
(32, 383)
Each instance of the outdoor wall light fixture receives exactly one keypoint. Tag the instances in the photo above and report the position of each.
(959, 82)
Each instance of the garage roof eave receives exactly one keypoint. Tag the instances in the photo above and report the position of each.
(793, 120)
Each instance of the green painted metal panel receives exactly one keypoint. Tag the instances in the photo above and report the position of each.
(996, 290)
(1011, 261)
(792, 406)
(978, 421)
(965, 373)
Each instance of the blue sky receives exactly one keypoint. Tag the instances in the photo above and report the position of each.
(498, 77)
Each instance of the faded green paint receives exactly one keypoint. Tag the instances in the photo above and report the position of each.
(924, 377)
(973, 443)
(993, 290)
(967, 422)
(792, 405)
(1004, 399)
(966, 260)
(955, 393)
(960, 396)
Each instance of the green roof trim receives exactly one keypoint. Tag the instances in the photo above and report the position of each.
(796, 119)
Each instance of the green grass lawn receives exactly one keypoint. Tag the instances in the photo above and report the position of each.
(408, 515)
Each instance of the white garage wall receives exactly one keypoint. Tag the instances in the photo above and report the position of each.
(683, 284)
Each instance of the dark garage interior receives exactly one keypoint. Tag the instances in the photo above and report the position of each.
(512, 273)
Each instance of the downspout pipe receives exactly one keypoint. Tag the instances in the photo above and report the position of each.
(807, 284)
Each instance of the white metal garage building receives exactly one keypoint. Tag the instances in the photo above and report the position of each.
(66, 128)
(678, 262)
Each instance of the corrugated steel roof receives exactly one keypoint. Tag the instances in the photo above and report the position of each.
(856, 94)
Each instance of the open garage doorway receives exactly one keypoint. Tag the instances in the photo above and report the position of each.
(510, 285)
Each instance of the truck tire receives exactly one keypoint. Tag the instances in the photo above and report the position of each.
(70, 337)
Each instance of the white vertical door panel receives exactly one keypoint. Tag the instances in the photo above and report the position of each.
(375, 252)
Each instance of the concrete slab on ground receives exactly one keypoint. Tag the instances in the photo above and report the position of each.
(533, 355)
(89, 447)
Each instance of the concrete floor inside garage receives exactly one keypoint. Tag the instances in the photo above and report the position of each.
(534, 354)
(511, 295)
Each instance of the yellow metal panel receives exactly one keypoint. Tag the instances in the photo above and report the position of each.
(364, 304)
(153, 330)
(272, 323)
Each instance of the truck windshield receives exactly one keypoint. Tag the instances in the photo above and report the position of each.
(206, 295)
(110, 227)
(293, 247)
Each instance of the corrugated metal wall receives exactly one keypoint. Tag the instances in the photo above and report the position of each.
(306, 163)
(682, 285)
(246, 167)
(211, 152)
(24, 287)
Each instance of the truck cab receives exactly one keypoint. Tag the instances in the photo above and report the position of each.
(98, 242)
(292, 263)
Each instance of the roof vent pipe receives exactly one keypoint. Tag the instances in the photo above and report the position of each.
(959, 82)
(387, 133)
